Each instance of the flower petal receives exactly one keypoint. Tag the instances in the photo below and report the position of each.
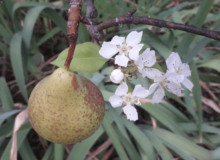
(130, 112)
(139, 63)
(153, 87)
(188, 84)
(134, 52)
(116, 101)
(117, 76)
(122, 89)
(174, 88)
(108, 50)
(116, 40)
(134, 38)
(151, 73)
(158, 95)
(121, 60)
(174, 77)
(173, 61)
(140, 92)
(185, 70)
(148, 57)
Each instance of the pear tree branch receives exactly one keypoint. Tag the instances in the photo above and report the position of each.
(96, 31)
(74, 18)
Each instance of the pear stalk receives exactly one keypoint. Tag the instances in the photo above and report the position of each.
(72, 28)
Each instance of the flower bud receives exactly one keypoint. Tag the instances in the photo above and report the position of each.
(116, 76)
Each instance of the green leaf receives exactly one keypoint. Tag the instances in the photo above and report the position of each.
(197, 21)
(183, 144)
(158, 145)
(160, 114)
(213, 64)
(197, 94)
(127, 145)
(49, 152)
(141, 139)
(6, 128)
(86, 58)
(80, 150)
(17, 63)
(56, 18)
(48, 36)
(4, 33)
(5, 115)
(114, 138)
(5, 94)
(30, 19)
(26, 152)
(162, 49)
(58, 151)
(3, 47)
(21, 135)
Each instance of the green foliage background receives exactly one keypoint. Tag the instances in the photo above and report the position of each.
(33, 32)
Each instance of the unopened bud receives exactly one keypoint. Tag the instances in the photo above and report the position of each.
(116, 76)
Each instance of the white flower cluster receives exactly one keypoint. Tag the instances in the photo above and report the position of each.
(127, 51)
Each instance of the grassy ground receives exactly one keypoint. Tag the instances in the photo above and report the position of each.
(33, 33)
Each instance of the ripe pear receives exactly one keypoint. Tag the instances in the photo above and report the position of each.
(65, 108)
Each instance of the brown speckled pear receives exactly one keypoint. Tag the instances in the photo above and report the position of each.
(65, 108)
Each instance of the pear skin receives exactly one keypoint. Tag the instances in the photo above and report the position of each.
(65, 108)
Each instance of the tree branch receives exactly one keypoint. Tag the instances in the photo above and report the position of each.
(96, 32)
(91, 11)
(159, 23)
(72, 28)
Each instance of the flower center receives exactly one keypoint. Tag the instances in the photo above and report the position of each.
(128, 98)
(123, 49)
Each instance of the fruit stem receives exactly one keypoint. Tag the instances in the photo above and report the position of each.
(72, 28)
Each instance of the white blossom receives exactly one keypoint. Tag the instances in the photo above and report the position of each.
(127, 100)
(175, 65)
(146, 59)
(117, 76)
(161, 82)
(128, 49)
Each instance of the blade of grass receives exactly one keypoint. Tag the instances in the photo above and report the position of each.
(175, 111)
(6, 128)
(140, 138)
(114, 138)
(56, 18)
(162, 117)
(158, 145)
(127, 145)
(48, 36)
(5, 115)
(21, 137)
(197, 95)
(17, 63)
(4, 33)
(198, 21)
(58, 151)
(4, 48)
(49, 153)
(30, 20)
(26, 152)
(205, 128)
(183, 144)
(192, 53)
(6, 98)
(80, 150)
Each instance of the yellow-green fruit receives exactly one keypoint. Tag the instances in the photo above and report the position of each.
(65, 108)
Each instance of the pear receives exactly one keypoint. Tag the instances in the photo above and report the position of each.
(65, 108)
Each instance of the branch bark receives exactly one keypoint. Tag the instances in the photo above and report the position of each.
(96, 32)
(72, 28)
(159, 23)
